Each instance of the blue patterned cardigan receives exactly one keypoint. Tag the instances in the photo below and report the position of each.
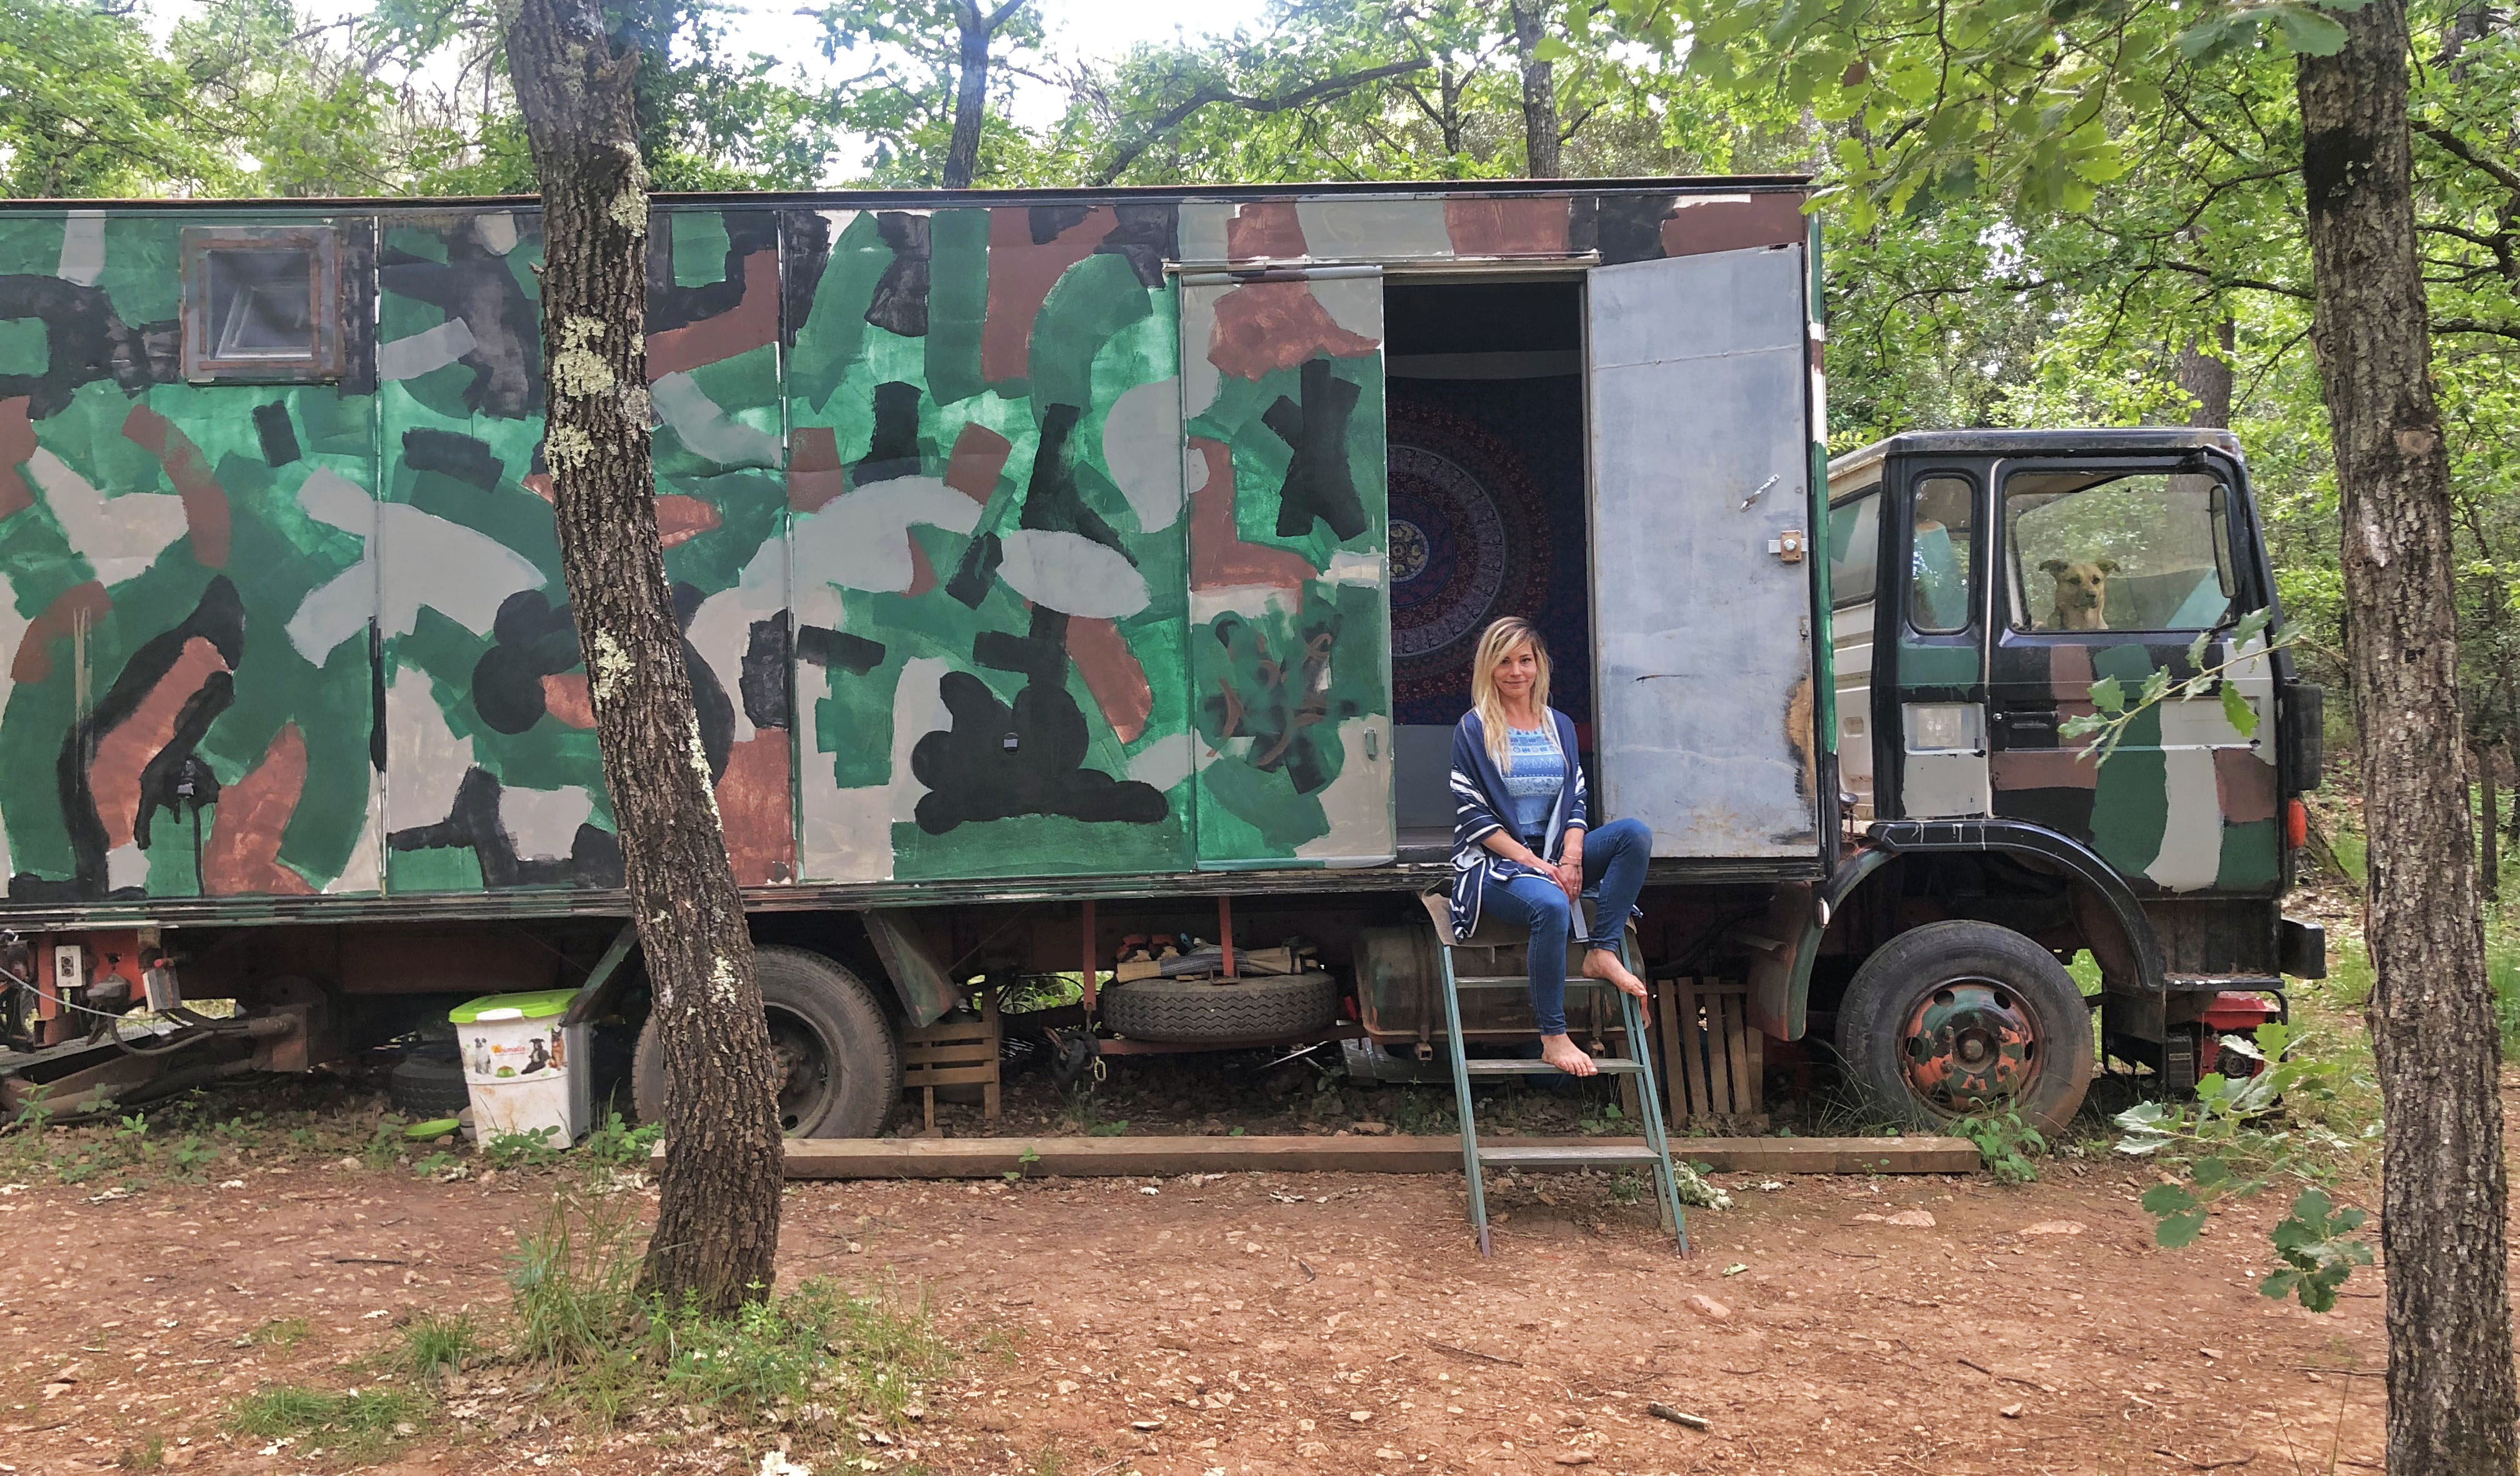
(1479, 808)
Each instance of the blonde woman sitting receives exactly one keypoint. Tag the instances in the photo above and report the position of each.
(1523, 845)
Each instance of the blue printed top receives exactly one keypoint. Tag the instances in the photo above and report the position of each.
(1535, 771)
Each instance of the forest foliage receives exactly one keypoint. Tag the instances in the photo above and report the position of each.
(2036, 213)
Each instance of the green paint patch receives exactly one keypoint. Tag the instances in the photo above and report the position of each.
(1093, 301)
(958, 299)
(699, 246)
(2131, 797)
(1937, 665)
(837, 323)
(1039, 845)
(2249, 862)
(434, 869)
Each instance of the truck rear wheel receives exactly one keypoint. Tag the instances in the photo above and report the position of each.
(840, 1062)
(1959, 1017)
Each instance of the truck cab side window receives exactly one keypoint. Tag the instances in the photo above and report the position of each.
(1853, 546)
(2091, 550)
(1938, 589)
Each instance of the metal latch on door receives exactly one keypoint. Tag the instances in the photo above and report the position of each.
(1787, 545)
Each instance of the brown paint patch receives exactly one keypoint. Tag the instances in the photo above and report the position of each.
(1762, 220)
(1219, 559)
(1265, 229)
(2245, 785)
(752, 323)
(122, 751)
(753, 804)
(244, 851)
(34, 662)
(1527, 226)
(565, 699)
(539, 483)
(923, 572)
(977, 459)
(1266, 326)
(2042, 769)
(2069, 668)
(814, 475)
(1112, 673)
(681, 516)
(1021, 273)
(205, 502)
(17, 447)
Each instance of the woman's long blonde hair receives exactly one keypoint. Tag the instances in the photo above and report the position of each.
(1501, 640)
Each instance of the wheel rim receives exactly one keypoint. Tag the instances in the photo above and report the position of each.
(809, 1069)
(1969, 1044)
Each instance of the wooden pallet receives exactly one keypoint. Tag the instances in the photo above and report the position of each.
(953, 1053)
(1712, 1055)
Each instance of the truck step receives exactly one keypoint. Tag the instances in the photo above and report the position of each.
(1607, 1065)
(1568, 1157)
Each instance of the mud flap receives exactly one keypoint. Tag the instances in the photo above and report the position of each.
(918, 976)
(1779, 967)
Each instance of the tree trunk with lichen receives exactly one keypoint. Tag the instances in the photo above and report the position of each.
(1539, 90)
(2450, 1391)
(718, 1227)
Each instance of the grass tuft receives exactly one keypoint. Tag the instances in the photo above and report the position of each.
(355, 1426)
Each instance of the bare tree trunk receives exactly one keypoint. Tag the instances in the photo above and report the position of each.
(718, 1227)
(2450, 1393)
(2207, 378)
(970, 93)
(1538, 91)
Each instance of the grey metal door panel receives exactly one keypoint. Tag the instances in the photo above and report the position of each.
(1703, 713)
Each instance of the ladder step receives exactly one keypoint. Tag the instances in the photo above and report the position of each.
(1566, 1156)
(1607, 1065)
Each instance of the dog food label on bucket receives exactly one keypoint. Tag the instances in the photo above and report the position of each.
(513, 1055)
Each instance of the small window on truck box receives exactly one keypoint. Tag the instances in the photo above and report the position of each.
(1854, 547)
(262, 304)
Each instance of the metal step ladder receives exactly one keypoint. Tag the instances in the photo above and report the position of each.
(1476, 1159)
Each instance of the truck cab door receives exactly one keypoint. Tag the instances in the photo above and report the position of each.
(1930, 716)
(2111, 570)
(1290, 573)
(1698, 394)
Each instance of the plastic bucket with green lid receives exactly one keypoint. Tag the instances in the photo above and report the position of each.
(524, 1070)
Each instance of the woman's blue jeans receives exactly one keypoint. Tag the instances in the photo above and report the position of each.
(1614, 870)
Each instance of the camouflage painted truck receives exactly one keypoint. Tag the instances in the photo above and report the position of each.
(1068, 567)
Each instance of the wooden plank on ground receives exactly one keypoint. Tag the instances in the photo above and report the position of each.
(1105, 1158)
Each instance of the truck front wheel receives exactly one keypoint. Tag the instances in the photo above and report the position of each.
(1954, 1018)
(839, 1063)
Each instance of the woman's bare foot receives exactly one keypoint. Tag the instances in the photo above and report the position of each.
(1601, 963)
(1562, 1052)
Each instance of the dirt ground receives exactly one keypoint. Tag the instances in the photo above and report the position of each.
(1259, 1323)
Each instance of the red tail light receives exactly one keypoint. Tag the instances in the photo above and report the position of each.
(2296, 824)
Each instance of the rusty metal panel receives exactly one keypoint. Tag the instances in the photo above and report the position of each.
(1701, 491)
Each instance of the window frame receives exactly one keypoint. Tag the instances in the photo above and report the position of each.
(1838, 598)
(2228, 539)
(1973, 549)
(322, 363)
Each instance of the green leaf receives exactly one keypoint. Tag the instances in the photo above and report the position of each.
(2279, 1285)
(2107, 696)
(2237, 711)
(2168, 1199)
(2250, 625)
(2312, 35)
(2179, 1231)
(2209, 1172)
(1552, 49)
(2196, 648)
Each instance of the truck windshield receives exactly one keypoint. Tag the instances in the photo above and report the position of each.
(2117, 551)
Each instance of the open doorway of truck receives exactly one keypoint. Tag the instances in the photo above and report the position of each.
(1489, 508)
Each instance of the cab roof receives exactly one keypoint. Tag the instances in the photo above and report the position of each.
(2118, 440)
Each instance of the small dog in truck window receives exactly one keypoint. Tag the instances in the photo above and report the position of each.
(2082, 594)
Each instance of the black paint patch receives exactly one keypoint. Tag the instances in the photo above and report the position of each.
(764, 682)
(820, 646)
(807, 253)
(473, 825)
(1319, 483)
(375, 696)
(1052, 500)
(176, 778)
(270, 423)
(997, 761)
(900, 301)
(465, 458)
(220, 619)
(481, 288)
(893, 450)
(1628, 227)
(977, 573)
(85, 341)
(1147, 235)
(1050, 222)
(530, 639)
(671, 307)
(1040, 655)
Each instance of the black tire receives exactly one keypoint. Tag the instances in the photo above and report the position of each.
(842, 1061)
(1956, 1017)
(427, 1086)
(1264, 1009)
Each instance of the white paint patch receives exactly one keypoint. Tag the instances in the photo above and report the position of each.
(1141, 444)
(497, 230)
(543, 822)
(1358, 803)
(1203, 224)
(1251, 601)
(1163, 763)
(1693, 201)
(707, 429)
(1354, 303)
(2192, 831)
(408, 358)
(425, 762)
(120, 537)
(463, 574)
(1200, 379)
(1072, 573)
(1375, 230)
(861, 541)
(127, 866)
(364, 872)
(1349, 567)
(848, 832)
(82, 248)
